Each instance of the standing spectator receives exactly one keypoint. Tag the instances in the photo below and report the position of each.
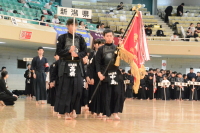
(180, 10)
(120, 7)
(174, 37)
(191, 74)
(148, 31)
(168, 12)
(55, 20)
(48, 7)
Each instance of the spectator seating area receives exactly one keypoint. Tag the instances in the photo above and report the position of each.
(99, 15)
(193, 11)
(103, 5)
(181, 24)
(34, 12)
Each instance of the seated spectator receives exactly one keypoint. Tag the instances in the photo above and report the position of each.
(121, 31)
(174, 37)
(15, 11)
(55, 20)
(98, 28)
(82, 25)
(48, 7)
(191, 32)
(22, 1)
(198, 28)
(1, 9)
(102, 27)
(6, 97)
(120, 7)
(148, 31)
(160, 33)
(111, 12)
(42, 19)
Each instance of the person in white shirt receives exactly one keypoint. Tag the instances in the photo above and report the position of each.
(82, 25)
(174, 37)
(165, 95)
(55, 20)
(102, 27)
(48, 5)
(98, 28)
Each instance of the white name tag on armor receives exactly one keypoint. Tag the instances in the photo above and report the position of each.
(72, 69)
(91, 61)
(74, 12)
(193, 83)
(181, 84)
(164, 84)
(126, 81)
(84, 84)
(112, 76)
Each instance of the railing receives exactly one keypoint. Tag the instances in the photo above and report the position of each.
(23, 20)
(169, 39)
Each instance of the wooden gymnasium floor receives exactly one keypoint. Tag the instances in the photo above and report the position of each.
(138, 117)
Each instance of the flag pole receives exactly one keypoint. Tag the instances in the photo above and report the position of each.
(134, 8)
(73, 33)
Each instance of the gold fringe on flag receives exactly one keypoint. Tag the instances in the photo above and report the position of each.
(142, 71)
(117, 62)
(129, 58)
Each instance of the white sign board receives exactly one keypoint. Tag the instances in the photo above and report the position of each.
(27, 59)
(193, 83)
(74, 12)
(14, 21)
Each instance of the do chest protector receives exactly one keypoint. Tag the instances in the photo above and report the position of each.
(69, 42)
(108, 55)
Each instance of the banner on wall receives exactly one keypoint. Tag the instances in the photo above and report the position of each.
(63, 30)
(164, 64)
(97, 35)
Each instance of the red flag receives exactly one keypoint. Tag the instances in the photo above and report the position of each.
(134, 50)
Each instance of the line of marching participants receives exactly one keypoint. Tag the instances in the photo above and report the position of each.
(74, 77)
(167, 90)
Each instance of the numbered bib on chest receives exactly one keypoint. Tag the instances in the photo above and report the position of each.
(28, 81)
(84, 83)
(112, 78)
(72, 69)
